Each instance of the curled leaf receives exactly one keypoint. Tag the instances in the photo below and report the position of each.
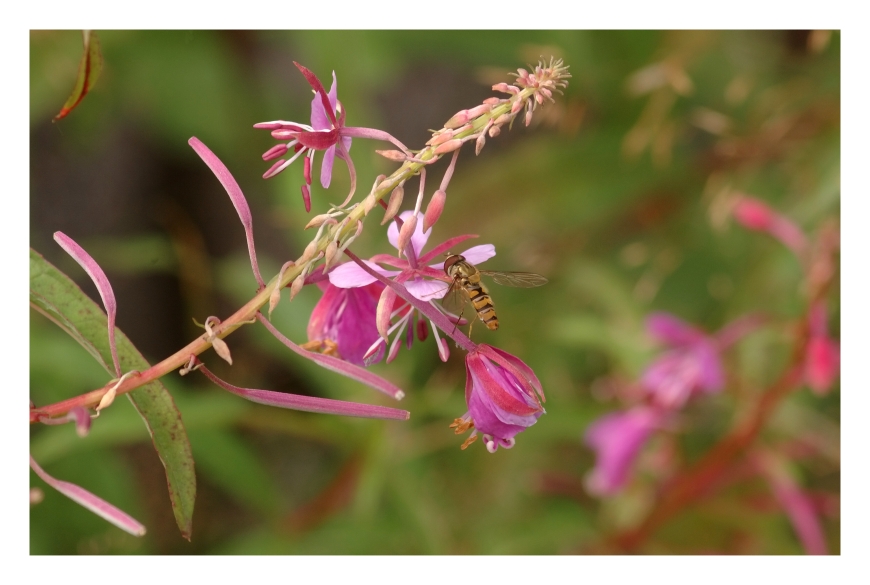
(89, 70)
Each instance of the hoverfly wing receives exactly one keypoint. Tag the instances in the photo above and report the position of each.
(516, 279)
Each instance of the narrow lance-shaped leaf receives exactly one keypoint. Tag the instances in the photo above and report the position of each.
(93, 503)
(57, 297)
(89, 70)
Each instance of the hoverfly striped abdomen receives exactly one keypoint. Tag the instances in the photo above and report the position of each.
(467, 277)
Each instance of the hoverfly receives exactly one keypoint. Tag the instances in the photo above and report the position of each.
(467, 287)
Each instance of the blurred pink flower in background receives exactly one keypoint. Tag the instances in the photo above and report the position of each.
(617, 438)
(822, 365)
(502, 394)
(691, 364)
(756, 215)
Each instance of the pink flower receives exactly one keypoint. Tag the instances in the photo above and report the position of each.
(345, 317)
(324, 133)
(756, 215)
(617, 438)
(502, 394)
(691, 364)
(327, 132)
(426, 282)
(822, 364)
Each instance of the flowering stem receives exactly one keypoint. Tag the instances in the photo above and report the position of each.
(317, 249)
(696, 481)
(437, 318)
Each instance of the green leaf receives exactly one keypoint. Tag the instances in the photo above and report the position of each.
(89, 70)
(57, 297)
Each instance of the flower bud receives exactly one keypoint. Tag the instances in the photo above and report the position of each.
(458, 119)
(448, 146)
(478, 144)
(440, 138)
(406, 232)
(434, 209)
(479, 110)
(393, 155)
(394, 204)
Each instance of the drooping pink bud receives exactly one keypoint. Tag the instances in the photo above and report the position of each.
(394, 204)
(275, 152)
(434, 209)
(393, 155)
(406, 232)
(384, 310)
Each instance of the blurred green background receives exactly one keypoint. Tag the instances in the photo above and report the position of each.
(613, 193)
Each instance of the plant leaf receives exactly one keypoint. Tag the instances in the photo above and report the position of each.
(89, 70)
(53, 294)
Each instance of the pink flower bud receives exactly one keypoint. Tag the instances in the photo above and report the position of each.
(479, 143)
(458, 119)
(393, 155)
(753, 214)
(448, 146)
(494, 131)
(479, 110)
(528, 117)
(493, 101)
(406, 232)
(394, 204)
(440, 138)
(384, 310)
(434, 209)
(517, 106)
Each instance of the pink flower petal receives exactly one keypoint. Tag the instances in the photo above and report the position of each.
(350, 275)
(326, 166)
(426, 290)
(95, 504)
(103, 287)
(671, 330)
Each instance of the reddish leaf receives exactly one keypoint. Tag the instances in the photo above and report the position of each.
(89, 70)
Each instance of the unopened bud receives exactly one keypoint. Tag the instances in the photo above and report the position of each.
(329, 258)
(493, 101)
(539, 97)
(517, 106)
(494, 131)
(384, 310)
(406, 232)
(448, 146)
(479, 110)
(274, 299)
(393, 155)
(503, 119)
(528, 117)
(434, 209)
(478, 144)
(395, 202)
(297, 285)
(222, 349)
(440, 138)
(458, 119)
(317, 220)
